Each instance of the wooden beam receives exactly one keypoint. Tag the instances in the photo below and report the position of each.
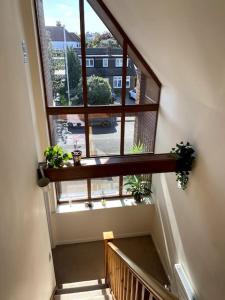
(63, 110)
(115, 166)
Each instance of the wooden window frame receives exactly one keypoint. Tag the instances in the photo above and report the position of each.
(109, 20)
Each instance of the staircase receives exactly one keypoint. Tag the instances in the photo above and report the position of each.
(123, 280)
(84, 290)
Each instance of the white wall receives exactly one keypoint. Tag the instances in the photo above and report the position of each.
(184, 43)
(85, 226)
(26, 270)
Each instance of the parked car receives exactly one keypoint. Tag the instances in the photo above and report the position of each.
(133, 94)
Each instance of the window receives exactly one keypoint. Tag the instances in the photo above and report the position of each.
(119, 62)
(100, 96)
(105, 62)
(117, 82)
(89, 62)
(127, 82)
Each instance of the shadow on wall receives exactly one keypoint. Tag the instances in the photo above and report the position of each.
(171, 238)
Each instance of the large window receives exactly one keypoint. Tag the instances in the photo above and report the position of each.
(101, 96)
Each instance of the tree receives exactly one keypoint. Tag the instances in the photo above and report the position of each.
(103, 40)
(58, 23)
(54, 65)
(99, 91)
(74, 70)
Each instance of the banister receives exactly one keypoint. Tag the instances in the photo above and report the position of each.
(145, 279)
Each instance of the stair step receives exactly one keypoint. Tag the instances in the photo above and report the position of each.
(95, 294)
(82, 283)
(74, 297)
(80, 289)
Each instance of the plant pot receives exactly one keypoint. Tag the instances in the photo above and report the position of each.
(138, 198)
(77, 154)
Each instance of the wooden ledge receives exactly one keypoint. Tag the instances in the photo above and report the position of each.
(115, 166)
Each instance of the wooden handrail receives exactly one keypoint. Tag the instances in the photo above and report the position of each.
(129, 282)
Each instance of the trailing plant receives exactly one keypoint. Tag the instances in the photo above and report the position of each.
(186, 154)
(138, 187)
(56, 156)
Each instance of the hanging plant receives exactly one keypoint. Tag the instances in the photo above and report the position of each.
(186, 155)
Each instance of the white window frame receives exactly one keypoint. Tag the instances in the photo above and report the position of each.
(90, 62)
(119, 62)
(128, 82)
(105, 62)
(117, 82)
(128, 62)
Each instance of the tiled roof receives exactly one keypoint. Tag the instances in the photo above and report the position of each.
(101, 51)
(56, 34)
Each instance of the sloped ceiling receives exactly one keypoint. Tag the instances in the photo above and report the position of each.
(176, 37)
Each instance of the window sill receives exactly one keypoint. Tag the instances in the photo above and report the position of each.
(80, 207)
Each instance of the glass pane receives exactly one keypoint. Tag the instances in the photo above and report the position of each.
(68, 131)
(131, 82)
(104, 61)
(139, 132)
(73, 190)
(104, 134)
(142, 88)
(62, 32)
(103, 187)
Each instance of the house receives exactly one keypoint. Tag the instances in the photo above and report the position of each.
(107, 63)
(183, 42)
(102, 62)
(61, 38)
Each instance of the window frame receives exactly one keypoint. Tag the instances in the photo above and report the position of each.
(101, 10)
(105, 62)
(116, 81)
(90, 62)
(119, 62)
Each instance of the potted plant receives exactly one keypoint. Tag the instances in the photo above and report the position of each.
(76, 154)
(185, 152)
(138, 187)
(56, 156)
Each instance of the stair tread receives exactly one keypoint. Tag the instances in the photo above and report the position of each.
(75, 297)
(95, 294)
(80, 289)
(82, 283)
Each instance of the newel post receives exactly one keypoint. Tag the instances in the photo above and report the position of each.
(107, 237)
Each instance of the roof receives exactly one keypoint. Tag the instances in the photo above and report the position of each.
(57, 34)
(102, 51)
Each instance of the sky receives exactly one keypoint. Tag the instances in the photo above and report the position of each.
(67, 12)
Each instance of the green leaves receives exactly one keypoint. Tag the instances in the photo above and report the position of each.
(98, 89)
(137, 148)
(137, 186)
(56, 156)
(186, 158)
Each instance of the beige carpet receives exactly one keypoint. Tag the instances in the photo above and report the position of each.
(85, 261)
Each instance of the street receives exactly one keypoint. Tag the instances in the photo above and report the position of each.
(102, 140)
